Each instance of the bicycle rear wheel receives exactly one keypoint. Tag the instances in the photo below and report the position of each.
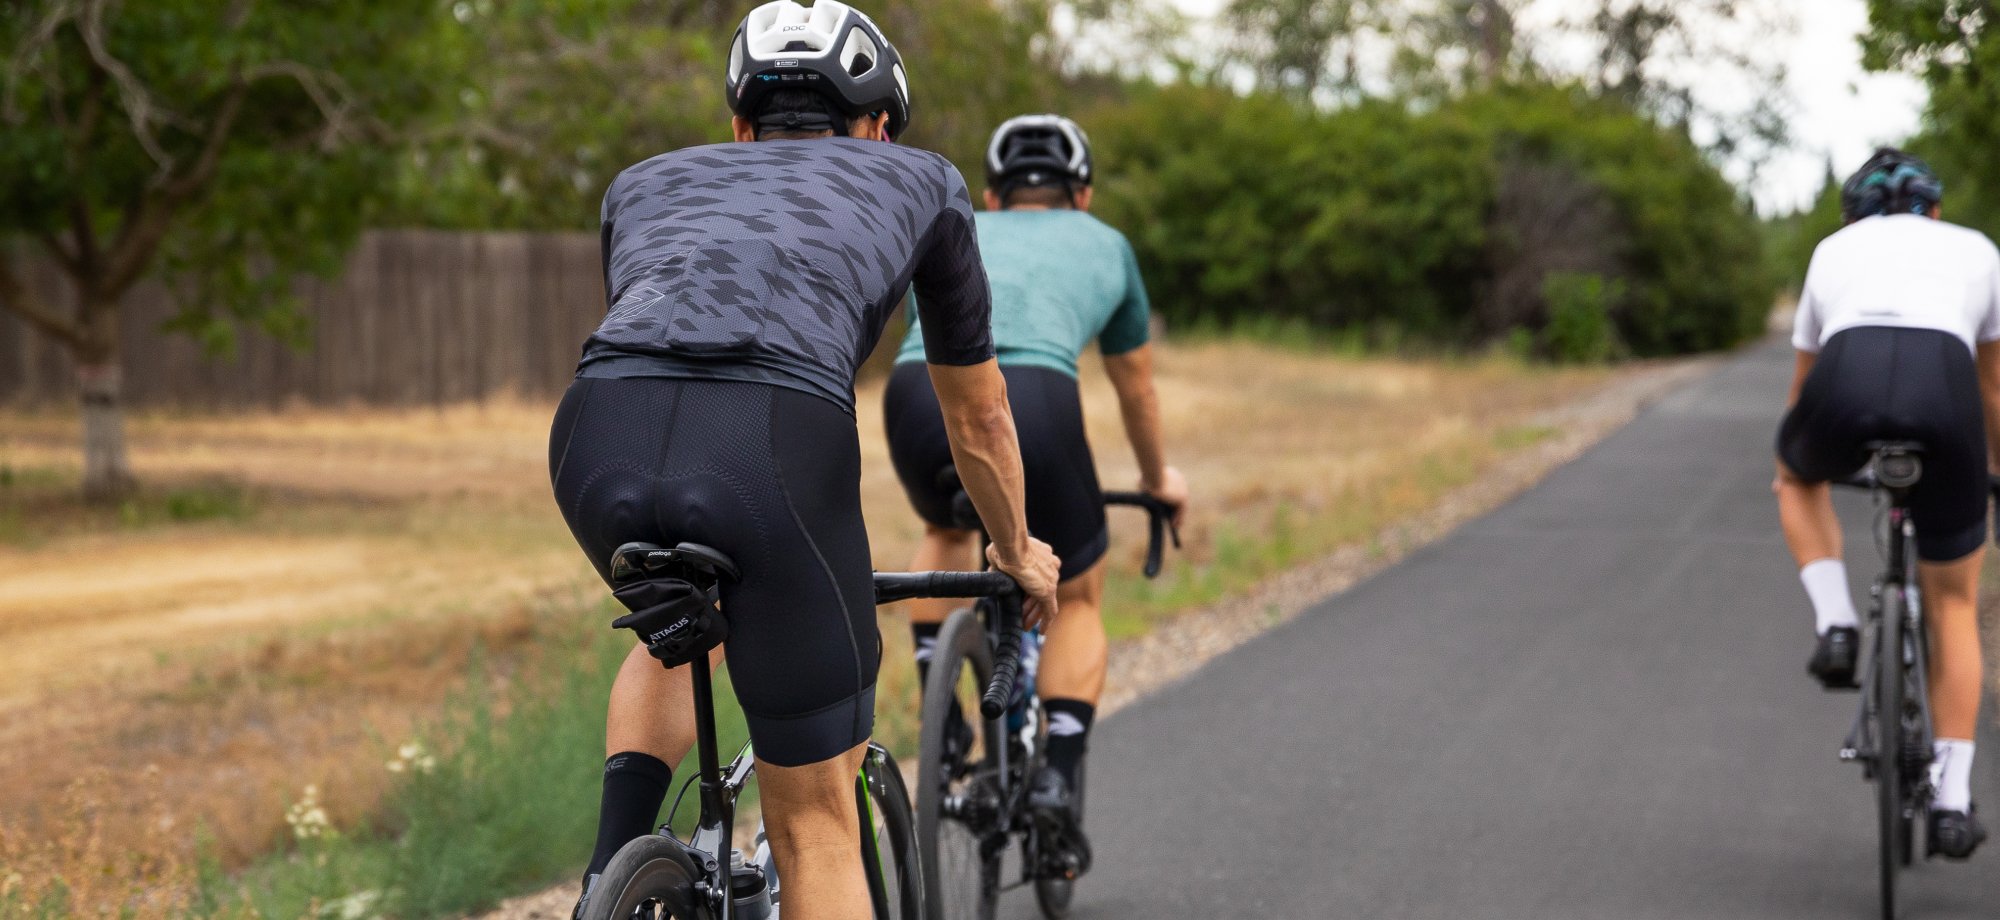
(1888, 680)
(651, 877)
(959, 831)
(1053, 895)
(889, 839)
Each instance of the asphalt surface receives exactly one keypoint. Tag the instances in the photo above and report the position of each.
(1591, 703)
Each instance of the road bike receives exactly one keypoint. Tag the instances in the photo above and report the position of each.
(973, 774)
(705, 877)
(1892, 734)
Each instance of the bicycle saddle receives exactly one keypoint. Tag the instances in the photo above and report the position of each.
(1897, 464)
(963, 514)
(692, 561)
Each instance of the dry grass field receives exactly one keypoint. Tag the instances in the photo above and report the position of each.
(296, 590)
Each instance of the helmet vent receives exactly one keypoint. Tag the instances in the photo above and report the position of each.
(859, 54)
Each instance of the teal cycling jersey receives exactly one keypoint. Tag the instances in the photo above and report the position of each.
(1060, 279)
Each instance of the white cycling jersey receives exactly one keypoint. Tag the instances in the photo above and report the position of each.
(1906, 271)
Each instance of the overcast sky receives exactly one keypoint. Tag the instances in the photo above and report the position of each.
(1840, 111)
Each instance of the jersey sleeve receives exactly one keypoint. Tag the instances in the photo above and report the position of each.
(607, 224)
(1989, 298)
(953, 299)
(1131, 324)
(1810, 320)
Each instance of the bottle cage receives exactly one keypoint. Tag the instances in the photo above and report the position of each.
(673, 595)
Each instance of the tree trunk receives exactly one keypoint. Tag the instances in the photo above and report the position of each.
(107, 470)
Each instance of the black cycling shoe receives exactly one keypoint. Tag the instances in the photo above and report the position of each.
(1834, 657)
(1059, 820)
(1954, 834)
(583, 900)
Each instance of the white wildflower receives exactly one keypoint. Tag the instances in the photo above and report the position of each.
(308, 820)
(412, 757)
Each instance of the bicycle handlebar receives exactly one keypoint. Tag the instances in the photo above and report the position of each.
(902, 586)
(1160, 524)
(1006, 595)
(1006, 659)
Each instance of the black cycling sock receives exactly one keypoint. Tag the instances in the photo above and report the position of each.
(1069, 735)
(923, 638)
(635, 785)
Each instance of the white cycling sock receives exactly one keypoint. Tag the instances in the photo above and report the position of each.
(1951, 774)
(1826, 584)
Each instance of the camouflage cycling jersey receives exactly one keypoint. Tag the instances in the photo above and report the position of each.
(780, 262)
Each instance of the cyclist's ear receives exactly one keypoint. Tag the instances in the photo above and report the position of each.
(745, 131)
(871, 127)
(1083, 198)
(1936, 212)
(993, 200)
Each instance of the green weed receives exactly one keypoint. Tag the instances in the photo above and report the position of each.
(508, 806)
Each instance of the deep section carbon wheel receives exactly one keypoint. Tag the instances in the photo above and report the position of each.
(651, 878)
(889, 839)
(959, 831)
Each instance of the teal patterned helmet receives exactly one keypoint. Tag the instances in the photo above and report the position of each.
(1891, 182)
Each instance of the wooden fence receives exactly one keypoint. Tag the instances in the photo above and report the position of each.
(417, 318)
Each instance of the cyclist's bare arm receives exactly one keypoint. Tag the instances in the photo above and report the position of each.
(1131, 376)
(1989, 393)
(987, 452)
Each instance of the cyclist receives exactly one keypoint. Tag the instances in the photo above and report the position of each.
(1060, 278)
(1898, 338)
(746, 281)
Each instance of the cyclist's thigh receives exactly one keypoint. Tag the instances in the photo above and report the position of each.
(1841, 407)
(1065, 502)
(1937, 401)
(919, 449)
(803, 648)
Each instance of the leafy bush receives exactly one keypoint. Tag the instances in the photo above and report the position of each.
(1388, 220)
(1579, 329)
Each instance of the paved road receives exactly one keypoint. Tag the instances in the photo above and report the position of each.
(1590, 704)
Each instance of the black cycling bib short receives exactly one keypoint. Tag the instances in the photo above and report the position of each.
(1064, 504)
(1880, 383)
(747, 282)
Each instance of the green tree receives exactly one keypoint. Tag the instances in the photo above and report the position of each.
(561, 96)
(227, 146)
(1948, 44)
(1300, 47)
(1646, 51)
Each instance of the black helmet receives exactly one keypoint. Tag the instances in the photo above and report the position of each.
(830, 48)
(1891, 182)
(1037, 150)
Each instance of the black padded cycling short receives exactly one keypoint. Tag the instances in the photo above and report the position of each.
(1065, 505)
(1878, 383)
(770, 476)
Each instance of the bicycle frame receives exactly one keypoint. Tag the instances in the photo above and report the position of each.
(1899, 574)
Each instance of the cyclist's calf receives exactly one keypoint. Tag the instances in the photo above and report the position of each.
(810, 813)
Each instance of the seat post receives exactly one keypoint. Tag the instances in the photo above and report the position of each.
(715, 815)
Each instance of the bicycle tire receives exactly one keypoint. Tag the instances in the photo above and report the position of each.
(1888, 727)
(888, 829)
(649, 870)
(1918, 730)
(961, 880)
(1053, 896)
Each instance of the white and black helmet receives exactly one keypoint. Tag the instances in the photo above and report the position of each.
(830, 48)
(1038, 150)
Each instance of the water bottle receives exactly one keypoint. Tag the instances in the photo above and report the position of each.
(748, 889)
